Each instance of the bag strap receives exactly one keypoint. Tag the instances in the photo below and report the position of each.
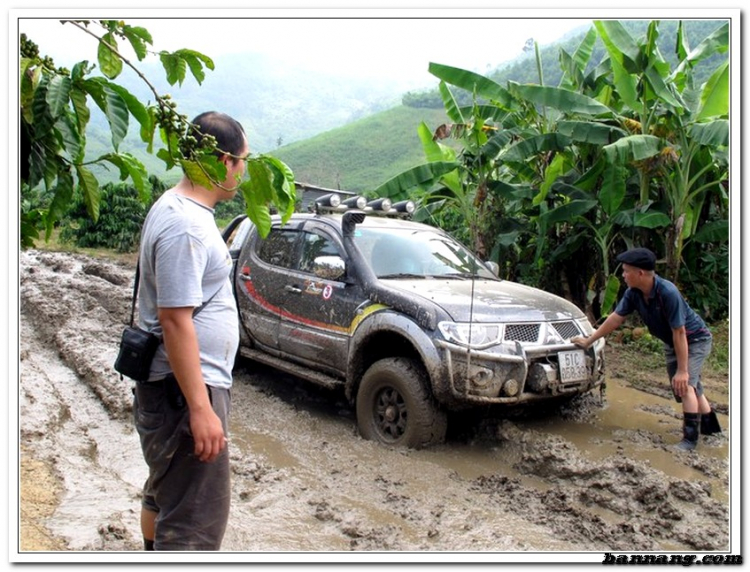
(135, 291)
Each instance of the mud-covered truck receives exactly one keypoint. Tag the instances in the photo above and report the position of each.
(402, 318)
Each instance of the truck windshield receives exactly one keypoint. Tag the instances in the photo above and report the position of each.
(413, 253)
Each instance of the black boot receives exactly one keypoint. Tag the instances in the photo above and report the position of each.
(690, 430)
(710, 423)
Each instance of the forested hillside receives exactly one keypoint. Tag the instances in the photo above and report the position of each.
(361, 155)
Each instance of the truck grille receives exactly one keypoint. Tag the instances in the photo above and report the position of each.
(532, 333)
(522, 332)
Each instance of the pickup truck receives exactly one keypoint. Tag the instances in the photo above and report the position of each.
(402, 318)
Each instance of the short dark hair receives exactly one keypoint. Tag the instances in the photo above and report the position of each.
(229, 134)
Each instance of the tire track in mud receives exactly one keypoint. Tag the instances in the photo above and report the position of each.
(618, 503)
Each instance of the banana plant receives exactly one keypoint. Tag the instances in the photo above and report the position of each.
(682, 129)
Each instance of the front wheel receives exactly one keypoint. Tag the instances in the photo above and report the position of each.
(395, 406)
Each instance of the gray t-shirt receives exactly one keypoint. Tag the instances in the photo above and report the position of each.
(184, 261)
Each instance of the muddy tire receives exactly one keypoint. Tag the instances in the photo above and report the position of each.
(395, 407)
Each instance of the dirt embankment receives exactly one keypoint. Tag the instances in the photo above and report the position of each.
(592, 476)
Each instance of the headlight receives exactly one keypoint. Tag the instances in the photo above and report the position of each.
(585, 326)
(472, 335)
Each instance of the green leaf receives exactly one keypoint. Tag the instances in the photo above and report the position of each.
(651, 220)
(713, 133)
(590, 132)
(196, 174)
(116, 112)
(712, 232)
(471, 82)
(138, 38)
(89, 187)
(196, 61)
(589, 180)
(174, 66)
(397, 187)
(610, 294)
(80, 107)
(582, 55)
(131, 167)
(109, 62)
(58, 95)
(63, 196)
(284, 189)
(715, 95)
(71, 138)
(626, 84)
(451, 107)
(257, 212)
(633, 147)
(620, 45)
(136, 109)
(717, 42)
(527, 148)
(656, 81)
(554, 170)
(432, 149)
(613, 188)
(567, 212)
(561, 99)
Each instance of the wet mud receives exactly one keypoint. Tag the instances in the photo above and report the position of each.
(595, 474)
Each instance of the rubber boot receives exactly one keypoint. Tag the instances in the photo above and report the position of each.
(690, 431)
(710, 423)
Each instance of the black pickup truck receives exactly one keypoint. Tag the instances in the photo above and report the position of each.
(402, 318)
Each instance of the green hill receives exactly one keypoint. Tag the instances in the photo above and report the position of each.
(361, 155)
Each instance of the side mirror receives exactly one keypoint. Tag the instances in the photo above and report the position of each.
(493, 267)
(329, 267)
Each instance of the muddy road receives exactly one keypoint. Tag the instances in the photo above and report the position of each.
(596, 475)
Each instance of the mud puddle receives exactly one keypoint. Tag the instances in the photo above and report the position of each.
(589, 476)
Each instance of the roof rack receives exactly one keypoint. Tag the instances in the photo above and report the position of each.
(332, 203)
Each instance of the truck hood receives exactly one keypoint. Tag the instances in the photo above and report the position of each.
(493, 300)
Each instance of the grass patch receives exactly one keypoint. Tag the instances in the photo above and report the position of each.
(54, 244)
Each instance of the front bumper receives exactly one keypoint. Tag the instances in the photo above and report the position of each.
(514, 375)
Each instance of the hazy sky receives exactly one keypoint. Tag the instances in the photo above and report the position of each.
(395, 43)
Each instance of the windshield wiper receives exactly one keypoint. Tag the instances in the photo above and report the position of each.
(401, 275)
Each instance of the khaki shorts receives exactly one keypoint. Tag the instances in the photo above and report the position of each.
(190, 497)
(697, 353)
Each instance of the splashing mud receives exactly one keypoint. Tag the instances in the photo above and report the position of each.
(597, 474)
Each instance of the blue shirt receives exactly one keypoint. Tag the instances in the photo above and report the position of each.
(664, 310)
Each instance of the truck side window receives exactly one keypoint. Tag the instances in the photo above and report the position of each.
(313, 246)
(278, 247)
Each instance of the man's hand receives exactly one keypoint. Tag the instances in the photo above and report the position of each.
(208, 434)
(581, 342)
(680, 383)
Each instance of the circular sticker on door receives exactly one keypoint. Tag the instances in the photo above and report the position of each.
(327, 291)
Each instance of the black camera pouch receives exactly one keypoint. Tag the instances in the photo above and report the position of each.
(137, 349)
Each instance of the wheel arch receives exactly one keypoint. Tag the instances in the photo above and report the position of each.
(388, 334)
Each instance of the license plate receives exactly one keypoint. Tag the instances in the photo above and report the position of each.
(572, 366)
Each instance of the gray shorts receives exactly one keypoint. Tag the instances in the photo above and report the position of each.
(190, 497)
(697, 353)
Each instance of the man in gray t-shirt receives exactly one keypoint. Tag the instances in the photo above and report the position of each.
(181, 412)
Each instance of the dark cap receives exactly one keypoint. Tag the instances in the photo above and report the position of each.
(639, 257)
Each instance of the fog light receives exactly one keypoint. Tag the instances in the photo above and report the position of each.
(405, 207)
(511, 388)
(380, 204)
(480, 377)
(355, 202)
(331, 200)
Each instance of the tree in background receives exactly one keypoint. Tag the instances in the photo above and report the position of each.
(55, 111)
(553, 181)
